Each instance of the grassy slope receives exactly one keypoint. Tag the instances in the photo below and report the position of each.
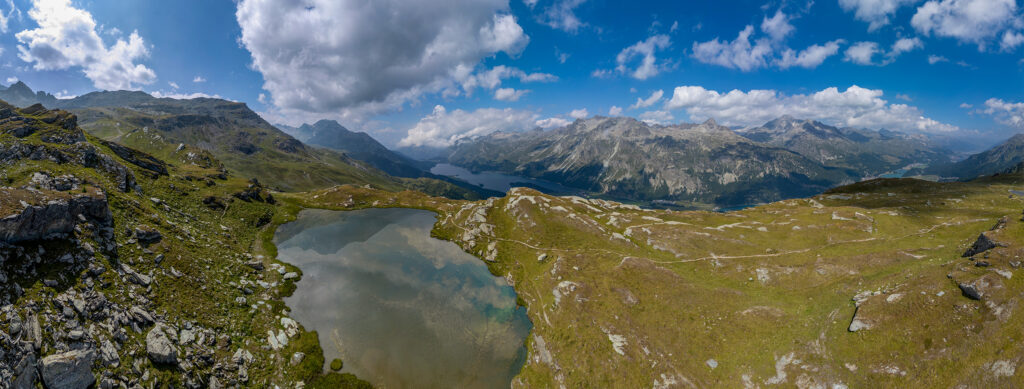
(765, 292)
(307, 168)
(208, 247)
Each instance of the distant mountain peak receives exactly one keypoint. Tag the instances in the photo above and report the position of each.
(710, 122)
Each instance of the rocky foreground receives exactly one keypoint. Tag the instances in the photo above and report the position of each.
(120, 270)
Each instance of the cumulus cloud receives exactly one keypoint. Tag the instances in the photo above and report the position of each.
(509, 94)
(1005, 112)
(747, 53)
(173, 85)
(657, 117)
(934, 59)
(615, 111)
(442, 128)
(968, 21)
(351, 57)
(645, 51)
(579, 113)
(183, 96)
(644, 103)
(863, 53)
(552, 123)
(737, 54)
(561, 15)
(810, 57)
(1010, 41)
(875, 12)
(854, 107)
(67, 37)
(491, 79)
(198, 79)
(778, 26)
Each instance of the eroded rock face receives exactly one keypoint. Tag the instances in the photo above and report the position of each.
(58, 215)
(72, 370)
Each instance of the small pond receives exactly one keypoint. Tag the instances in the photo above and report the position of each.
(400, 308)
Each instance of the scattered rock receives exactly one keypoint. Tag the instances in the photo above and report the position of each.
(970, 291)
(858, 323)
(297, 358)
(71, 370)
(147, 235)
(159, 346)
(982, 244)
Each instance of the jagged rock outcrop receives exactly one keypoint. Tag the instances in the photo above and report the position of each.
(49, 214)
(138, 158)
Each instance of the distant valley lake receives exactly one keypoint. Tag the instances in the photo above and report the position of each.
(399, 307)
(499, 181)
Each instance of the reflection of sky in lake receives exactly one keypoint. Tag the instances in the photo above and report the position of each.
(400, 308)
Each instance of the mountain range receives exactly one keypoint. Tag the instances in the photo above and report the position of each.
(231, 133)
(688, 165)
(696, 164)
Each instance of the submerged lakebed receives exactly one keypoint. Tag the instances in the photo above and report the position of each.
(399, 307)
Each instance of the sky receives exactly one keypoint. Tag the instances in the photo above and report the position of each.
(429, 73)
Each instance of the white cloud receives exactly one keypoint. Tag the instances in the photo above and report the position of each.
(615, 111)
(198, 79)
(491, 79)
(552, 123)
(969, 21)
(737, 54)
(645, 50)
(875, 12)
(644, 103)
(183, 96)
(854, 107)
(173, 85)
(747, 53)
(966, 106)
(11, 80)
(370, 57)
(657, 117)
(442, 128)
(5, 19)
(562, 15)
(777, 27)
(1011, 40)
(1008, 113)
(530, 3)
(67, 37)
(934, 59)
(509, 94)
(903, 97)
(579, 113)
(863, 53)
(810, 57)
(64, 95)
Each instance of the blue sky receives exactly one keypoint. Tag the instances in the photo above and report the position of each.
(420, 72)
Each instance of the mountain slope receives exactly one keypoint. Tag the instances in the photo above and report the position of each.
(361, 146)
(119, 269)
(19, 94)
(870, 153)
(627, 159)
(236, 136)
(1000, 158)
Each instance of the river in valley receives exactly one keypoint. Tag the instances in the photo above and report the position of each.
(400, 308)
